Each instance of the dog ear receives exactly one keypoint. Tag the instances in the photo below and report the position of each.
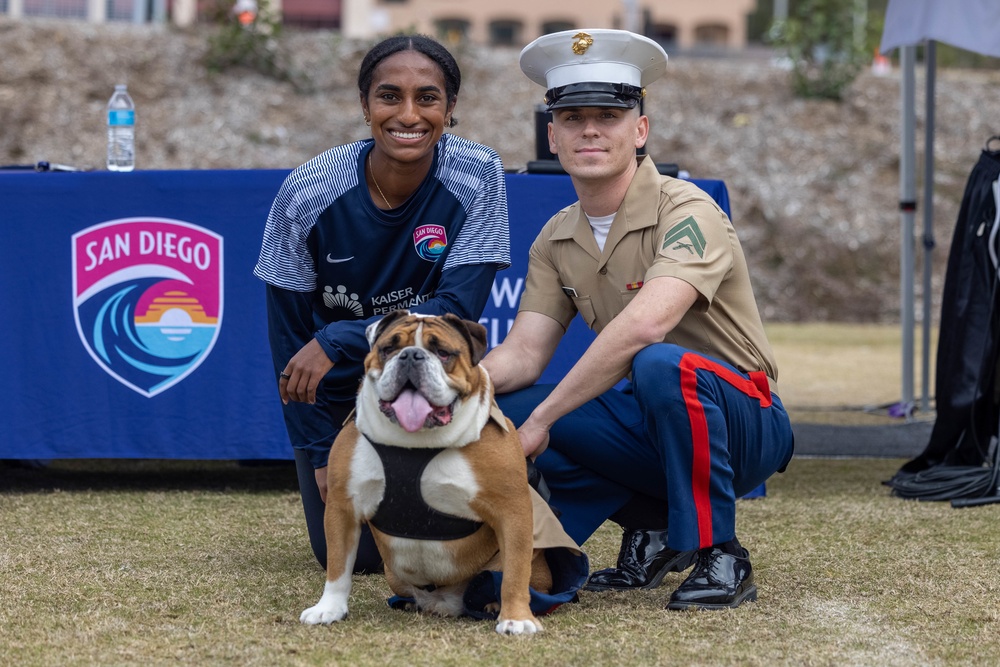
(473, 332)
(375, 329)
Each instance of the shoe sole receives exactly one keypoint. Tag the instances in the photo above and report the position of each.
(749, 595)
(681, 562)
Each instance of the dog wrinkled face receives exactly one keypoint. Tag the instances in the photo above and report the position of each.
(421, 366)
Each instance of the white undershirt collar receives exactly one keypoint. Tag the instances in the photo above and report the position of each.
(600, 225)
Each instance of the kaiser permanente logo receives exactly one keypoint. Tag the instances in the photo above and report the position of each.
(147, 298)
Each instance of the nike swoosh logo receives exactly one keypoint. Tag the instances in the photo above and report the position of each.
(330, 259)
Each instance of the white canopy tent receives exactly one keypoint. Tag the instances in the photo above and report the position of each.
(973, 25)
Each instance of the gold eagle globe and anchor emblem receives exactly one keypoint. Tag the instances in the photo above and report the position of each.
(581, 42)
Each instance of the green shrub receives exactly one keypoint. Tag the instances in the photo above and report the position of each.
(821, 39)
(255, 46)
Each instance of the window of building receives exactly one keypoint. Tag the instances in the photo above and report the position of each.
(505, 33)
(310, 14)
(711, 34)
(549, 27)
(452, 31)
(663, 33)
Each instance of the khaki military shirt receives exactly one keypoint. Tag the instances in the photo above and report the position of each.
(665, 227)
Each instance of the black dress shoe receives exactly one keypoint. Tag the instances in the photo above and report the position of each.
(643, 560)
(719, 580)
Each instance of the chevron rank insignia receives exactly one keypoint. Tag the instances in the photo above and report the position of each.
(684, 241)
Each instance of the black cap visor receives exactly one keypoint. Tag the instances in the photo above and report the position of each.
(594, 94)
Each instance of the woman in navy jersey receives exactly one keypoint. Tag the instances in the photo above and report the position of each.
(409, 218)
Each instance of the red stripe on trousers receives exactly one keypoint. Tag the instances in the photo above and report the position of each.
(701, 460)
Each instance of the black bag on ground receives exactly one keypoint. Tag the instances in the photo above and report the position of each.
(966, 367)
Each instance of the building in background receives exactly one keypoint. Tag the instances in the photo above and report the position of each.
(688, 25)
(677, 24)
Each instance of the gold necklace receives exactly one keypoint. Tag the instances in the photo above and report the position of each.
(372, 171)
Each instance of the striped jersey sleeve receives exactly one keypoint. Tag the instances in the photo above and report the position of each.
(284, 259)
(474, 174)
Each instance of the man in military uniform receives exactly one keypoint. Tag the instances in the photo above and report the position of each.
(655, 268)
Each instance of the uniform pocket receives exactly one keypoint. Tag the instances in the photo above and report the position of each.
(627, 296)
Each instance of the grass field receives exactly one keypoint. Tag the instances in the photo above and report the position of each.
(206, 563)
(843, 373)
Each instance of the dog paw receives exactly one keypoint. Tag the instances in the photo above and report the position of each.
(323, 614)
(512, 627)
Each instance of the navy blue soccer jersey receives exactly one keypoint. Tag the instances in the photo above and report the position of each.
(324, 232)
(334, 262)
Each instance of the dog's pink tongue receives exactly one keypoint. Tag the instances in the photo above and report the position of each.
(412, 410)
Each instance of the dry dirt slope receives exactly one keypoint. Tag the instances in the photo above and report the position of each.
(813, 184)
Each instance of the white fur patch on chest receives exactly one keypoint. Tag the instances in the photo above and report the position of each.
(449, 484)
(366, 486)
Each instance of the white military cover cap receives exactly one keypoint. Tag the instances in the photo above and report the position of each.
(593, 67)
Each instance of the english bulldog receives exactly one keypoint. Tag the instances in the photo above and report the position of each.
(437, 472)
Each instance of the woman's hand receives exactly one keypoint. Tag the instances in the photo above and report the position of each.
(303, 373)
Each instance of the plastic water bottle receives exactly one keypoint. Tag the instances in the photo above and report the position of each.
(121, 130)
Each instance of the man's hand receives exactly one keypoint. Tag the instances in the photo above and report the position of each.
(304, 372)
(534, 439)
(321, 482)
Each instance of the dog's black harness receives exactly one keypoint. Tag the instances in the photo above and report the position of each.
(403, 511)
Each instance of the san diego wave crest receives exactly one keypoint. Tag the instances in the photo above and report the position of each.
(148, 357)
